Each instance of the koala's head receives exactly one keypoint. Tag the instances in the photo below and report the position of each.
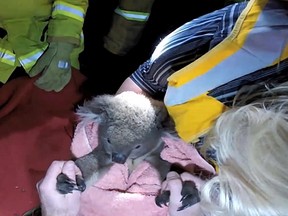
(130, 124)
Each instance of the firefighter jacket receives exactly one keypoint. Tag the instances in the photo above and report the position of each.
(128, 23)
(29, 25)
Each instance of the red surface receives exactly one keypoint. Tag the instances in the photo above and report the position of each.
(36, 128)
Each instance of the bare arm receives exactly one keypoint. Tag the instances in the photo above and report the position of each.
(129, 85)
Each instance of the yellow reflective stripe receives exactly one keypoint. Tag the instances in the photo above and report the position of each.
(82, 38)
(195, 117)
(7, 57)
(82, 35)
(186, 99)
(66, 9)
(246, 46)
(132, 15)
(27, 61)
(200, 66)
(284, 52)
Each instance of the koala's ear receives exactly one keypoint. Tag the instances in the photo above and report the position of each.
(94, 110)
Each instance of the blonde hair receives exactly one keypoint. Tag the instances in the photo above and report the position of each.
(251, 143)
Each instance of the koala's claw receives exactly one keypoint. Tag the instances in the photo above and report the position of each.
(190, 195)
(189, 192)
(66, 185)
(162, 199)
(81, 186)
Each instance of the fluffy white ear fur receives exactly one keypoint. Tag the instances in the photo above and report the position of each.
(94, 110)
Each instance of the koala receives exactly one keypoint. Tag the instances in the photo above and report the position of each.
(130, 127)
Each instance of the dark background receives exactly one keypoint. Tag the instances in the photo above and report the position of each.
(105, 71)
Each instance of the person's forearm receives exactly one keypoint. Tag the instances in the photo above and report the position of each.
(129, 85)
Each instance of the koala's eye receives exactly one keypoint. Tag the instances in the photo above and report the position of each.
(137, 147)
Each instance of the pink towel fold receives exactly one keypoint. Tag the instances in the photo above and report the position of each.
(119, 194)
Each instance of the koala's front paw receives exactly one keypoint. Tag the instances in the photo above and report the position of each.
(190, 195)
(189, 192)
(66, 185)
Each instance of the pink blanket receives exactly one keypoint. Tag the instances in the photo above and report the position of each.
(122, 195)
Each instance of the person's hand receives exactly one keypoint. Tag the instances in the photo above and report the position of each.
(52, 202)
(173, 183)
(55, 67)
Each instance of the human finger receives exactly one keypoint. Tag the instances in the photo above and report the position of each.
(174, 185)
(70, 169)
(54, 170)
(51, 174)
(190, 177)
(170, 176)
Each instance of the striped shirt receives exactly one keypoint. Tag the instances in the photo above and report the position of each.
(189, 42)
(183, 46)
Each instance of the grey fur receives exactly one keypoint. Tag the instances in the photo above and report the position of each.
(131, 126)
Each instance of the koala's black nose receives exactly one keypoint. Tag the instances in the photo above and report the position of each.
(118, 158)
